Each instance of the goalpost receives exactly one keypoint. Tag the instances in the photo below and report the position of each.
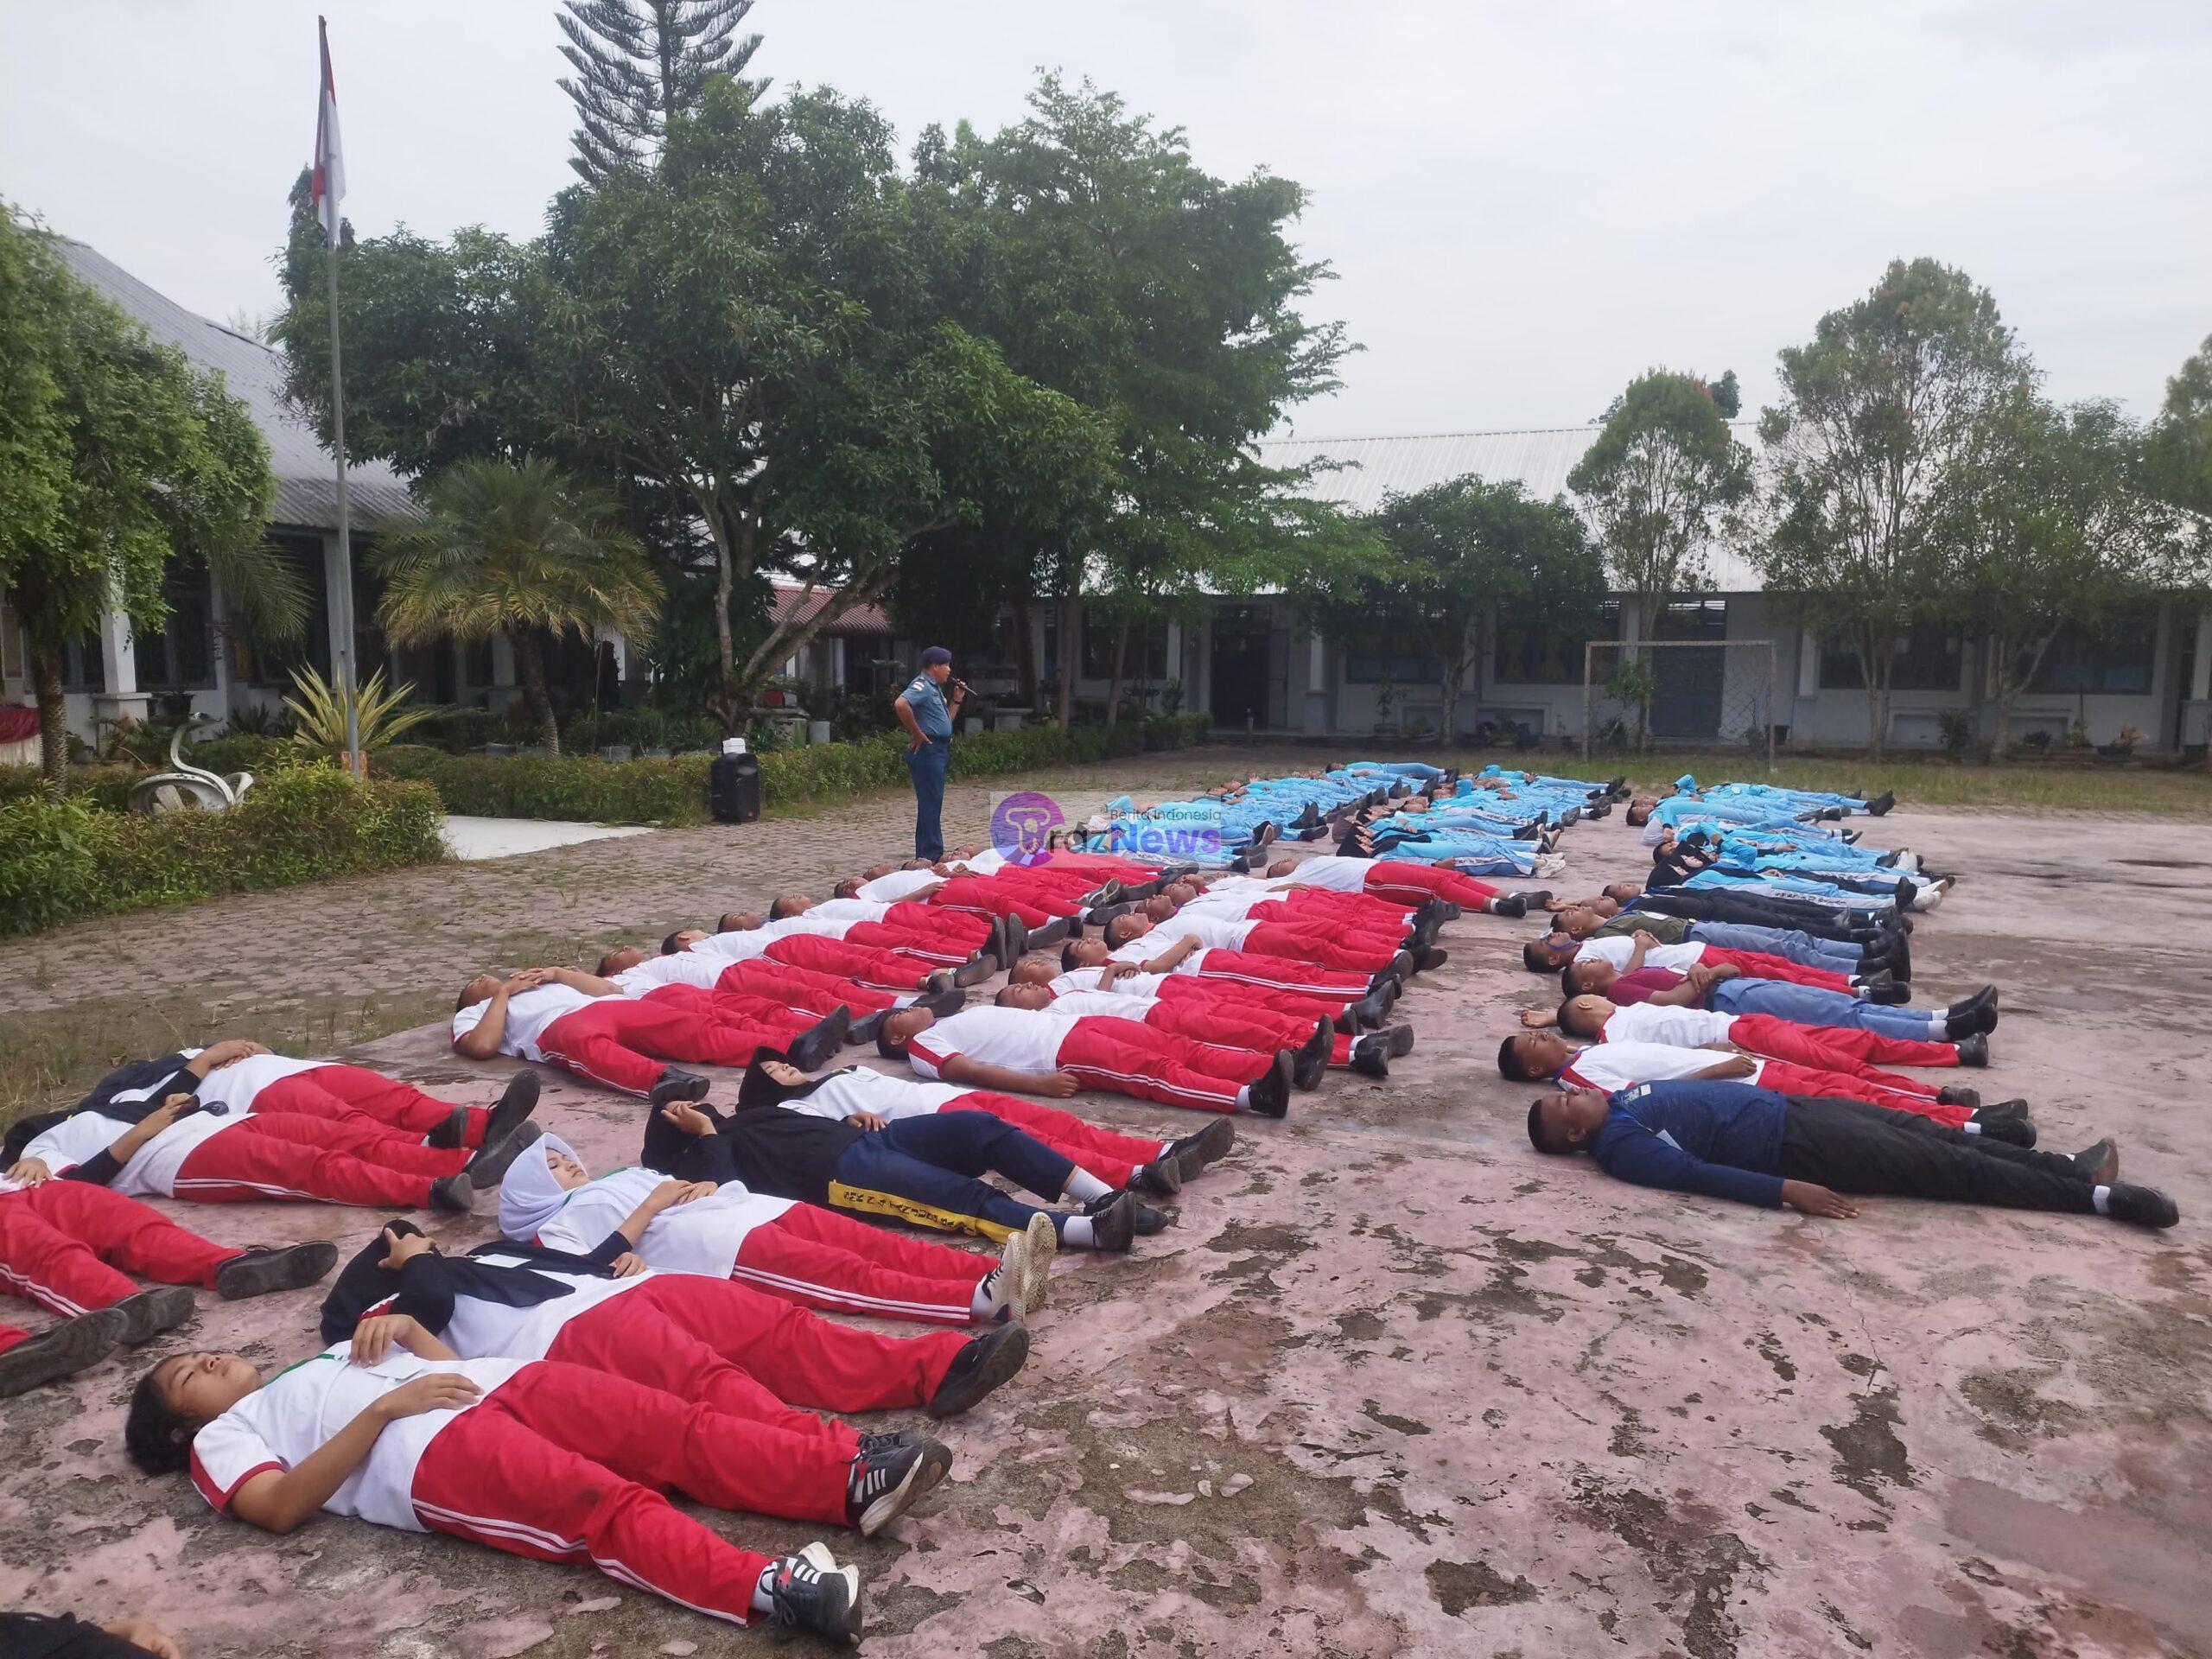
(1701, 693)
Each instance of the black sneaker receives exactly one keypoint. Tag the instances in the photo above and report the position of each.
(1113, 1223)
(942, 1002)
(489, 1167)
(864, 1029)
(885, 1485)
(1401, 967)
(2145, 1206)
(148, 1312)
(261, 1269)
(1959, 1095)
(1509, 904)
(816, 1047)
(673, 1085)
(986, 1360)
(1016, 932)
(1145, 1221)
(888, 1440)
(1054, 931)
(2099, 1163)
(1431, 958)
(810, 1592)
(1309, 1063)
(1193, 1153)
(1974, 1050)
(1269, 1095)
(1887, 994)
(1533, 897)
(66, 1349)
(449, 1132)
(1161, 1179)
(513, 1109)
(1369, 1009)
(1370, 1056)
(1397, 1041)
(2014, 1129)
(454, 1192)
(1881, 803)
(974, 971)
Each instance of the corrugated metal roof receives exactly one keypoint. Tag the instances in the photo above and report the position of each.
(1540, 458)
(307, 493)
(792, 603)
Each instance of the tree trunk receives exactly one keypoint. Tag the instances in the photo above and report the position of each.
(1114, 686)
(1025, 655)
(2001, 739)
(1875, 669)
(1447, 717)
(529, 675)
(1070, 644)
(52, 719)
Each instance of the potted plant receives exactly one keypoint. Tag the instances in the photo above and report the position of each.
(2123, 744)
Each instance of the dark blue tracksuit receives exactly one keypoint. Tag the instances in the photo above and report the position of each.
(1735, 1140)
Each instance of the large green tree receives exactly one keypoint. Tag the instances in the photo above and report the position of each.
(1664, 471)
(1882, 414)
(1462, 558)
(2057, 527)
(638, 64)
(116, 457)
(2183, 439)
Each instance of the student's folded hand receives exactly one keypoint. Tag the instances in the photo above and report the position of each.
(434, 1391)
(30, 1171)
(629, 1265)
(372, 1338)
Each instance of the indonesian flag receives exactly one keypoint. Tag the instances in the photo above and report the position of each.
(328, 185)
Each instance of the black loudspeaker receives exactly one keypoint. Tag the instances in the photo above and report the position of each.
(733, 788)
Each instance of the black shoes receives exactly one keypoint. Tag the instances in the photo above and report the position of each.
(1160, 1179)
(1881, 804)
(489, 1167)
(148, 1312)
(1309, 1062)
(673, 1085)
(942, 1002)
(886, 1481)
(454, 1192)
(513, 1109)
(1113, 1223)
(1959, 1095)
(66, 1349)
(1509, 904)
(2143, 1206)
(1193, 1153)
(1886, 992)
(450, 1132)
(2099, 1163)
(810, 1592)
(974, 971)
(1532, 899)
(1430, 959)
(988, 1359)
(1974, 1050)
(261, 1270)
(2014, 1128)
(864, 1029)
(816, 1047)
(1370, 1055)
(1268, 1094)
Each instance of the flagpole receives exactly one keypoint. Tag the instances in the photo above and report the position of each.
(344, 596)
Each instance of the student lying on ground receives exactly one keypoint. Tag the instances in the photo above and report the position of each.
(535, 1458)
(1722, 988)
(179, 1151)
(1407, 883)
(1314, 1042)
(1192, 971)
(916, 943)
(1892, 955)
(66, 1245)
(951, 936)
(1539, 1057)
(1625, 953)
(1825, 1048)
(1859, 926)
(1138, 936)
(1054, 1055)
(707, 1339)
(757, 979)
(587, 1026)
(801, 1252)
(879, 971)
(1732, 1141)
(926, 1171)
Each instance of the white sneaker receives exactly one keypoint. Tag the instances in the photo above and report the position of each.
(1043, 1244)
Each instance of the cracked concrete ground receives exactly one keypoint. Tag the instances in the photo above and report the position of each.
(1393, 1384)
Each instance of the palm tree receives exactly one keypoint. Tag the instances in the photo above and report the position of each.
(512, 548)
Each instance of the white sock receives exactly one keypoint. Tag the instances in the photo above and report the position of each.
(1083, 1186)
(1076, 1231)
(2101, 1196)
(1937, 1027)
(1244, 1098)
(907, 1000)
(987, 1300)
(1970, 1127)
(762, 1601)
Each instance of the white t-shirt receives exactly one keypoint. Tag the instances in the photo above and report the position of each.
(289, 1417)
(890, 1098)
(529, 1012)
(822, 925)
(1655, 1022)
(701, 1237)
(235, 1085)
(1115, 1004)
(891, 889)
(851, 910)
(1021, 1039)
(727, 948)
(1214, 932)
(481, 1329)
(989, 861)
(1615, 950)
(684, 968)
(82, 1136)
(1088, 979)
(1230, 905)
(1612, 1066)
(1336, 874)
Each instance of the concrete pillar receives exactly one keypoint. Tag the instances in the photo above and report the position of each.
(123, 700)
(1808, 664)
(2200, 671)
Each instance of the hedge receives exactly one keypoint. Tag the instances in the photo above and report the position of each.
(63, 859)
(674, 790)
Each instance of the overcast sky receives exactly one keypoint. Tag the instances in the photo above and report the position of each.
(1525, 204)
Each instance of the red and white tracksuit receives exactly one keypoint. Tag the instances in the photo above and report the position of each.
(625, 1042)
(1113, 1157)
(1757, 964)
(563, 1464)
(1036, 906)
(817, 1258)
(1276, 973)
(803, 988)
(1396, 879)
(332, 1091)
(66, 1245)
(1130, 1058)
(1832, 1048)
(1318, 943)
(871, 965)
(303, 1156)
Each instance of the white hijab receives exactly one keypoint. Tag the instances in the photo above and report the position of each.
(529, 1195)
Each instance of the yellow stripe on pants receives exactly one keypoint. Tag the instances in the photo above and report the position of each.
(862, 1201)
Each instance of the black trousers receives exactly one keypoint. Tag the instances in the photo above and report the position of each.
(60, 1636)
(1754, 910)
(1850, 1146)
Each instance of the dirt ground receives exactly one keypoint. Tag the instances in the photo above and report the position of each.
(1393, 1384)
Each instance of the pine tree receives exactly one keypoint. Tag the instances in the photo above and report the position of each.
(639, 61)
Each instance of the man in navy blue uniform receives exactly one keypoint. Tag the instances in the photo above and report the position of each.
(926, 709)
(1732, 1141)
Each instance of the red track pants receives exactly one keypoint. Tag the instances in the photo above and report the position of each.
(1114, 1159)
(1324, 947)
(1394, 879)
(803, 988)
(562, 1464)
(624, 1041)
(1130, 1058)
(300, 1156)
(329, 1090)
(1757, 964)
(66, 1245)
(1273, 973)
(1785, 1078)
(1831, 1047)
(883, 971)
(818, 1259)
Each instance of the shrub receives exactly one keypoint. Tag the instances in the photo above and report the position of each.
(63, 859)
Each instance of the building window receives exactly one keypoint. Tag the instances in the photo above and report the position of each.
(2117, 661)
(83, 668)
(181, 656)
(1145, 659)
(1549, 656)
(1928, 659)
(1693, 618)
(1379, 650)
